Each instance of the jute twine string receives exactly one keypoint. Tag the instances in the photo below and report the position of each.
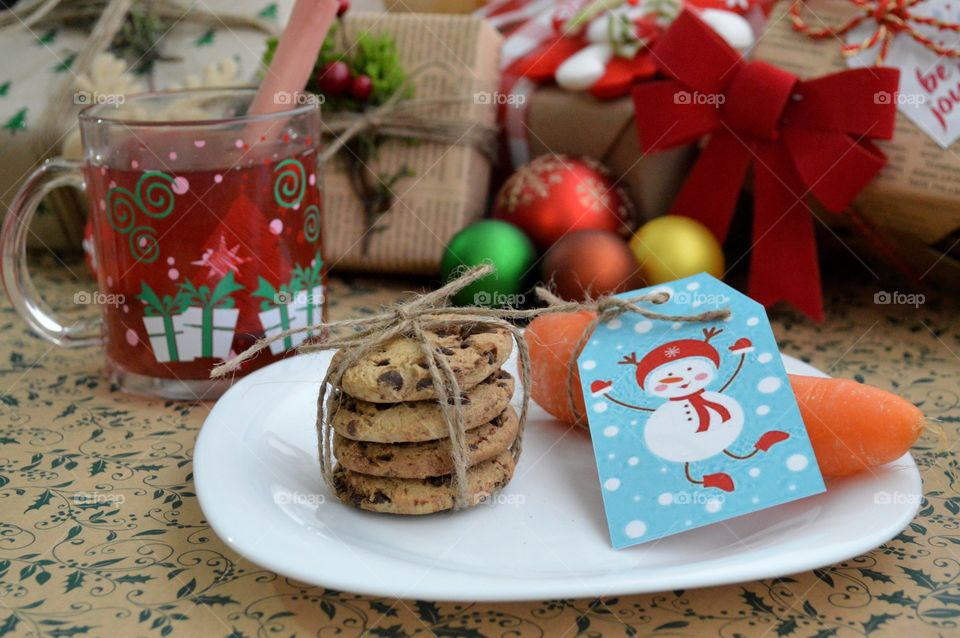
(355, 338)
(358, 337)
(607, 309)
(415, 118)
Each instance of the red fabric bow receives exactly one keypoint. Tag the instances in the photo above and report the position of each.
(800, 137)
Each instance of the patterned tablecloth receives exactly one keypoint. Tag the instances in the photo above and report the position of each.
(101, 533)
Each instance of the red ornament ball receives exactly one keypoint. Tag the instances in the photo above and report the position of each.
(557, 194)
(591, 263)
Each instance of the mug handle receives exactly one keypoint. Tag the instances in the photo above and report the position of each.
(52, 174)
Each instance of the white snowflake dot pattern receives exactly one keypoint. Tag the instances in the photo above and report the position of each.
(635, 529)
(643, 326)
(768, 385)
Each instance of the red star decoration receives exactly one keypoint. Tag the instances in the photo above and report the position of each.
(221, 260)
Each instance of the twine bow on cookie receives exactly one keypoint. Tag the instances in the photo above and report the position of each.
(412, 319)
(891, 17)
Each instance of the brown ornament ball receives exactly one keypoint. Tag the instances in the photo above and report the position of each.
(557, 194)
(590, 263)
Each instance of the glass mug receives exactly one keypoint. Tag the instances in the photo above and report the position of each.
(206, 235)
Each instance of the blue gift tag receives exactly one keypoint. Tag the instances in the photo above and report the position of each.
(692, 422)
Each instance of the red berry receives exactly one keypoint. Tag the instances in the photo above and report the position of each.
(343, 8)
(334, 78)
(362, 87)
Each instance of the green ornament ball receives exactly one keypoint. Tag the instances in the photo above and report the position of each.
(495, 242)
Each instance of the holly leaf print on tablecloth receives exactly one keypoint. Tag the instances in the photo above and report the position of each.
(114, 539)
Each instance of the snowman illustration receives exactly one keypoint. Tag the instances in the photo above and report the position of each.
(693, 423)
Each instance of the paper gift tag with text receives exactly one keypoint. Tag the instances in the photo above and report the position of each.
(928, 81)
(692, 422)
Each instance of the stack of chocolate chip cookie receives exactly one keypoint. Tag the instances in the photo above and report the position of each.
(391, 442)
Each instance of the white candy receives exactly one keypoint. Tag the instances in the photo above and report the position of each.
(583, 68)
(730, 26)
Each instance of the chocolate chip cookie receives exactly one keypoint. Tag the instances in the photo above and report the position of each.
(420, 496)
(433, 458)
(416, 421)
(397, 371)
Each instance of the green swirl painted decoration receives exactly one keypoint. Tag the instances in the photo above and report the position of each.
(152, 197)
(290, 184)
(311, 223)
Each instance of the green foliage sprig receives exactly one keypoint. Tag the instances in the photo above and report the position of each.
(372, 55)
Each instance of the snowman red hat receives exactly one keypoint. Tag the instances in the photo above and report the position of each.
(674, 351)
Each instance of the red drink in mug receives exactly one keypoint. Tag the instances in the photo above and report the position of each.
(206, 235)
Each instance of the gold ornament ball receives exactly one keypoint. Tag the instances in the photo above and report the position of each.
(673, 247)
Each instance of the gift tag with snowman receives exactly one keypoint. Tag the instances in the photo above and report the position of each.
(693, 422)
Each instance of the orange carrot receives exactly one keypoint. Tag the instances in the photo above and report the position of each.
(853, 426)
(551, 340)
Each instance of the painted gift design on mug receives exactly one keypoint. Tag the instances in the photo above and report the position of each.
(206, 286)
(204, 232)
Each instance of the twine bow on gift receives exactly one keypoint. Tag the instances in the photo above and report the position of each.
(426, 119)
(800, 137)
(892, 17)
(413, 118)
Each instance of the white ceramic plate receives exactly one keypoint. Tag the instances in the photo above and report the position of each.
(258, 481)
